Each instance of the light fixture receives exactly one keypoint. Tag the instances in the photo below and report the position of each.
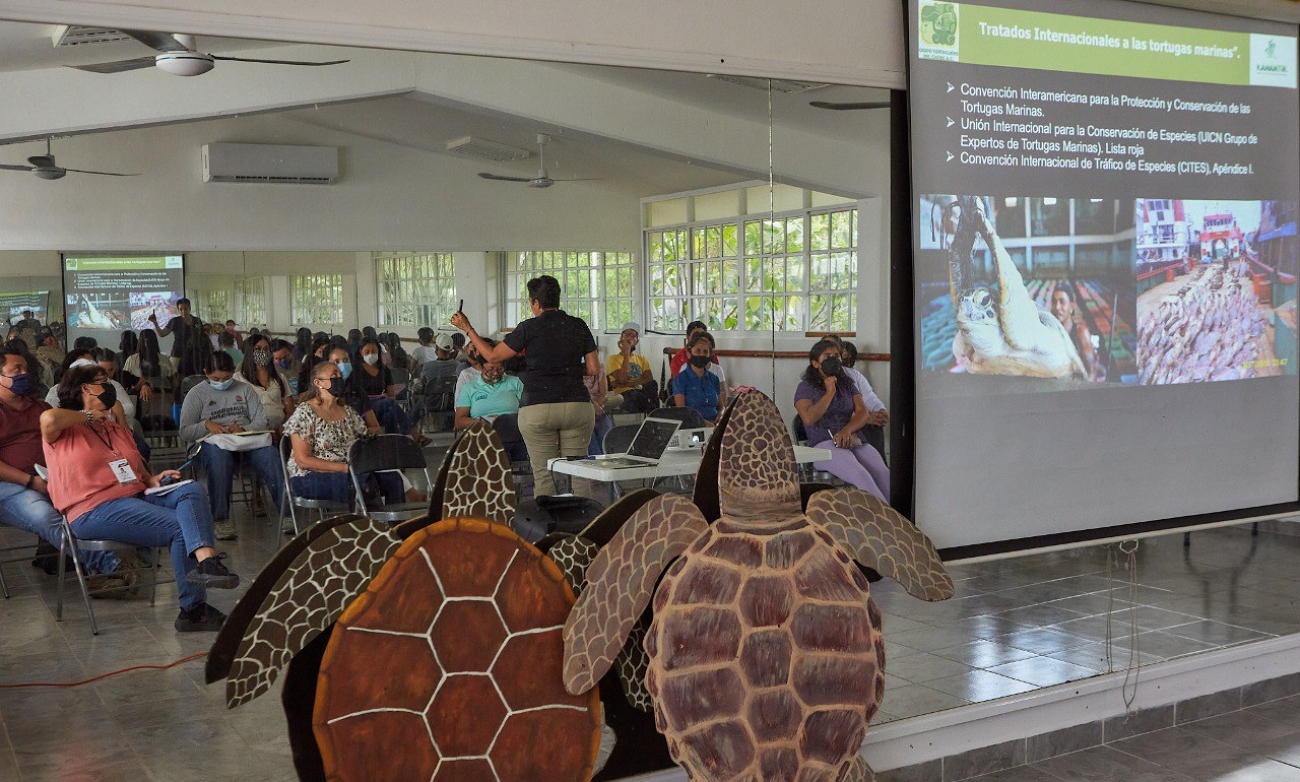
(184, 63)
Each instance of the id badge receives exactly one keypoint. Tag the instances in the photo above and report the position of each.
(122, 469)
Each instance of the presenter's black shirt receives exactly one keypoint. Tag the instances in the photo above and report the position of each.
(185, 336)
(555, 347)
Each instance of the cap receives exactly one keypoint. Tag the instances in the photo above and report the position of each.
(632, 325)
(443, 342)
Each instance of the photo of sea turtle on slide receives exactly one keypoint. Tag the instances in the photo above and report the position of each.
(999, 330)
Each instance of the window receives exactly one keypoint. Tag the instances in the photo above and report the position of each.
(794, 272)
(214, 305)
(594, 286)
(416, 289)
(316, 298)
(250, 301)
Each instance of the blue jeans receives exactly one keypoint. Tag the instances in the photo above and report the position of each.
(30, 510)
(390, 416)
(220, 467)
(179, 520)
(337, 487)
(597, 447)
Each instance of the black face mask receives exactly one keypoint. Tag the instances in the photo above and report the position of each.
(337, 387)
(701, 361)
(108, 396)
(831, 367)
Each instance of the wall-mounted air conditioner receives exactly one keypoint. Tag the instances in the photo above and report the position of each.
(270, 163)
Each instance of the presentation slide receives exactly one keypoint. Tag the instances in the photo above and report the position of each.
(106, 295)
(1105, 266)
(14, 303)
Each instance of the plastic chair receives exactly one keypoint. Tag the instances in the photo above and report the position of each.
(402, 379)
(381, 453)
(71, 543)
(293, 501)
(689, 416)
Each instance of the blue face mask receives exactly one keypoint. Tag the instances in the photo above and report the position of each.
(284, 363)
(222, 385)
(20, 385)
(346, 368)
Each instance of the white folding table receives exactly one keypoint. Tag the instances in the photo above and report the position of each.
(675, 463)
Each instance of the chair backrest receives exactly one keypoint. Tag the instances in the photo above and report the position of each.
(400, 376)
(190, 382)
(798, 430)
(385, 452)
(619, 439)
(689, 416)
(441, 385)
(507, 428)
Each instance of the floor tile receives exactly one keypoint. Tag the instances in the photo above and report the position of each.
(924, 667)
(984, 654)
(1044, 671)
(1106, 764)
(979, 686)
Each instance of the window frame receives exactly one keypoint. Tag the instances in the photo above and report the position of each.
(440, 307)
(319, 282)
(595, 307)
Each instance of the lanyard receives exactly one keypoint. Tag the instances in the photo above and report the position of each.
(106, 438)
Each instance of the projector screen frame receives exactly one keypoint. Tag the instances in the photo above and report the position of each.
(903, 369)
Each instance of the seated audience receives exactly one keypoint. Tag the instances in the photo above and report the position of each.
(39, 376)
(285, 363)
(425, 351)
(133, 384)
(149, 362)
(84, 358)
(302, 347)
(376, 382)
(50, 354)
(222, 406)
(492, 394)
(260, 372)
(353, 396)
(696, 386)
(442, 364)
(232, 328)
(99, 481)
(24, 495)
(848, 358)
(682, 357)
(630, 374)
(226, 344)
(598, 387)
(398, 355)
(127, 347)
(833, 414)
(323, 428)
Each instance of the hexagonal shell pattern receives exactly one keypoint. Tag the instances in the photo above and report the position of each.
(449, 665)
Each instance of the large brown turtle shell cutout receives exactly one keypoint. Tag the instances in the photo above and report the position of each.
(449, 667)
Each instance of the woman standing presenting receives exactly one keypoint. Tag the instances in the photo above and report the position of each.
(556, 416)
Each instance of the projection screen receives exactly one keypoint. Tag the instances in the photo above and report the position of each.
(1105, 258)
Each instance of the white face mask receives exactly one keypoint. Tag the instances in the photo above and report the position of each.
(371, 358)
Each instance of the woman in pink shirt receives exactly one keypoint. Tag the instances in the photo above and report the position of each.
(98, 480)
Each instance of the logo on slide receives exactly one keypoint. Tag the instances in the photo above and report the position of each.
(938, 34)
(1272, 61)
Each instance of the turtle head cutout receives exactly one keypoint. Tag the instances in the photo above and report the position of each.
(475, 479)
(756, 466)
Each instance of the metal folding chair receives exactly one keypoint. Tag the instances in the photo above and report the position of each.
(293, 501)
(70, 543)
(383, 453)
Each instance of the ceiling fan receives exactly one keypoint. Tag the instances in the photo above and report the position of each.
(44, 167)
(542, 179)
(828, 105)
(178, 57)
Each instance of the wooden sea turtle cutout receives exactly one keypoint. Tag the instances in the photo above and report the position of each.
(766, 658)
(474, 482)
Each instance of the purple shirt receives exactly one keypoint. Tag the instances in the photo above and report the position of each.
(837, 415)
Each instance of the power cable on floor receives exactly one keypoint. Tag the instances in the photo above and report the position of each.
(172, 664)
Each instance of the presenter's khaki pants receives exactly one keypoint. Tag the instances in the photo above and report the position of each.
(554, 430)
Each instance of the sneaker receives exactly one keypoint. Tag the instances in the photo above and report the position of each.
(225, 530)
(200, 618)
(211, 573)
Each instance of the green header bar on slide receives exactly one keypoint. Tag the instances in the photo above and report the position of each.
(984, 35)
(122, 264)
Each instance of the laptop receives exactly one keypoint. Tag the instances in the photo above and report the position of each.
(652, 439)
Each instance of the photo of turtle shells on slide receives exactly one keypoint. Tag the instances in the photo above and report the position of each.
(1039, 289)
(1216, 285)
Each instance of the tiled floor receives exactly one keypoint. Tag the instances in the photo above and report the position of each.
(1015, 625)
(1260, 744)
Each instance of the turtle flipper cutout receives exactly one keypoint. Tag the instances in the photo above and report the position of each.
(475, 481)
(756, 467)
(307, 598)
(602, 529)
(620, 583)
(573, 555)
(232, 632)
(879, 537)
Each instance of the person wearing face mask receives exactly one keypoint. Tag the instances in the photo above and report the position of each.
(491, 394)
(376, 382)
(629, 374)
(261, 372)
(322, 430)
(833, 414)
(848, 358)
(353, 397)
(123, 410)
(696, 386)
(683, 357)
(221, 407)
(24, 495)
(285, 363)
(98, 480)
